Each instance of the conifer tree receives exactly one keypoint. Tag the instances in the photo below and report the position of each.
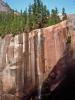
(30, 17)
(54, 17)
(40, 13)
(64, 15)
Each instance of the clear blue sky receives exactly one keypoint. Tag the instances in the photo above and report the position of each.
(69, 5)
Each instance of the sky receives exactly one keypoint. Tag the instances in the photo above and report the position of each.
(19, 5)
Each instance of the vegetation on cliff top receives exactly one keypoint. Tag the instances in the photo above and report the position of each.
(36, 16)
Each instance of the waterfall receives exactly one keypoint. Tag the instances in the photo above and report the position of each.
(39, 65)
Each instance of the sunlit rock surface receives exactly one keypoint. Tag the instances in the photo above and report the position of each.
(4, 7)
(26, 60)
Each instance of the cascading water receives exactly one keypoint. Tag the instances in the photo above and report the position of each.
(39, 72)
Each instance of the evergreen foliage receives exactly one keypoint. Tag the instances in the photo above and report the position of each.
(54, 18)
(64, 14)
(36, 16)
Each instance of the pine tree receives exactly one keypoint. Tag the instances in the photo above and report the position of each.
(64, 14)
(54, 18)
(30, 17)
(40, 13)
(25, 16)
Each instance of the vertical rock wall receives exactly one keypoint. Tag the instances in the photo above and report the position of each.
(23, 58)
(54, 44)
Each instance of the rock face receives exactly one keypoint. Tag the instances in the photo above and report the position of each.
(4, 7)
(55, 39)
(28, 59)
(71, 24)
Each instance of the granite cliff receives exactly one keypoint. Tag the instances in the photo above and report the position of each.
(28, 59)
(4, 7)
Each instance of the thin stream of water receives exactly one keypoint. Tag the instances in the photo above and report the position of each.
(40, 75)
